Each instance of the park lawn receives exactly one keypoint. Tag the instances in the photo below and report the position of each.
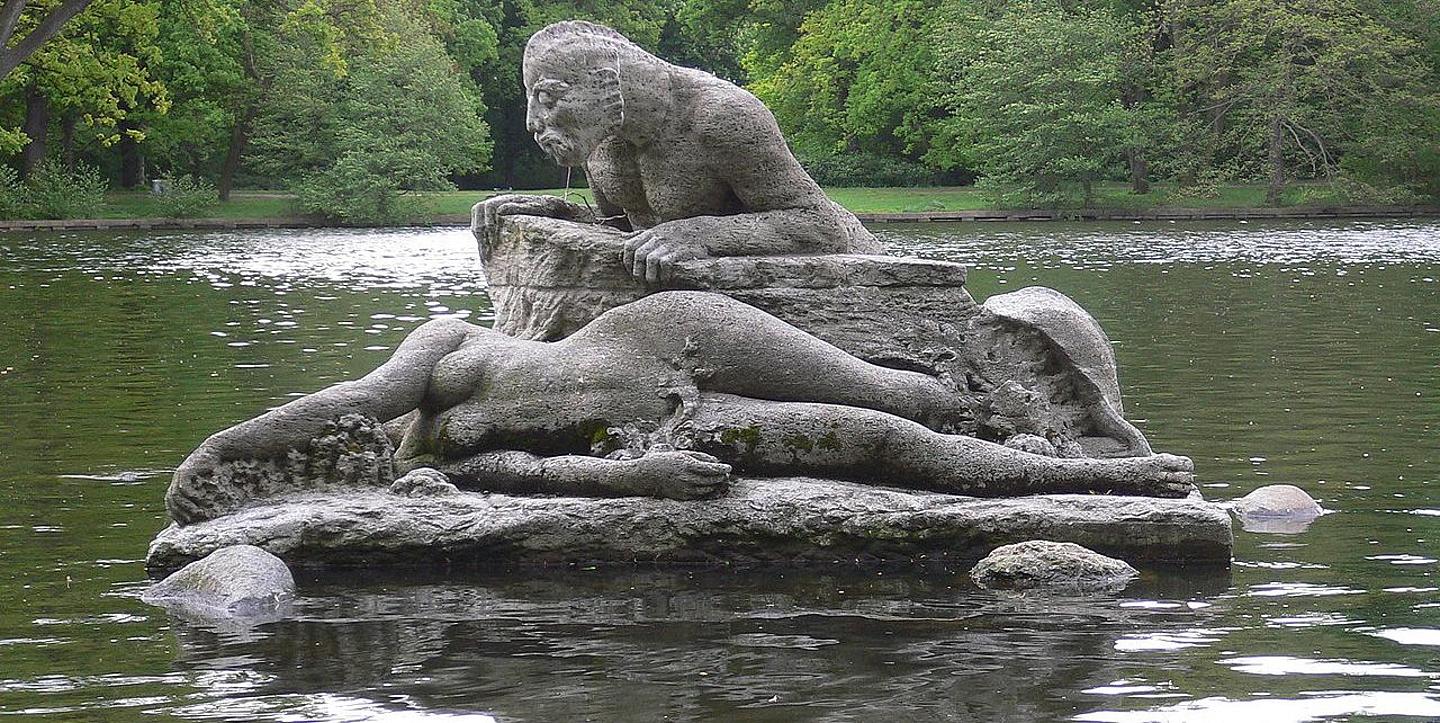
(437, 204)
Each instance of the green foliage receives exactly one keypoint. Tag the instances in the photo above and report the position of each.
(861, 77)
(12, 204)
(98, 69)
(55, 192)
(355, 103)
(1036, 94)
(1291, 86)
(860, 170)
(398, 119)
(186, 196)
(11, 141)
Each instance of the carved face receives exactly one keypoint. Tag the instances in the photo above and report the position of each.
(572, 106)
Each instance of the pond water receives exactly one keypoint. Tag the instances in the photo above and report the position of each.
(1306, 353)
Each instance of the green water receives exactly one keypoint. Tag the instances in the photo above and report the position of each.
(1306, 353)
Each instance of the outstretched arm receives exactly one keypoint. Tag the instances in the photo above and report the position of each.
(680, 475)
(272, 446)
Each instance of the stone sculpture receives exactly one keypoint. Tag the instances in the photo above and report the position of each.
(715, 364)
(661, 397)
(693, 165)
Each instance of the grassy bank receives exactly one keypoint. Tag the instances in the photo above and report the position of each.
(430, 206)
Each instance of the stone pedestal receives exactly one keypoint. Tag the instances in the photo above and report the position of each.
(757, 521)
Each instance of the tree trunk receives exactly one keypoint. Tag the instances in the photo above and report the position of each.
(132, 162)
(67, 141)
(1139, 171)
(37, 126)
(239, 138)
(1277, 161)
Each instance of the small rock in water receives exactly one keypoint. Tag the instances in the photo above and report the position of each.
(1282, 509)
(423, 482)
(1278, 501)
(240, 581)
(1062, 566)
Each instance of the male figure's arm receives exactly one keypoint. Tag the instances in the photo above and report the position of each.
(785, 212)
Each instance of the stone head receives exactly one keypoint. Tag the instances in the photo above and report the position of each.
(573, 84)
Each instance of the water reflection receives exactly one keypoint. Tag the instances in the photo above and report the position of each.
(643, 643)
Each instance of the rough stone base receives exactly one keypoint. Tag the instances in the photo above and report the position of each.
(771, 520)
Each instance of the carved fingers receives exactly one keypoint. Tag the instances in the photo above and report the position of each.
(682, 475)
(651, 255)
(485, 215)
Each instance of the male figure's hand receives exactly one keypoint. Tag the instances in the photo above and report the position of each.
(651, 255)
(485, 215)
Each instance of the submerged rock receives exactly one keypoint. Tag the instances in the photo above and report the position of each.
(1279, 501)
(1283, 509)
(238, 581)
(1051, 565)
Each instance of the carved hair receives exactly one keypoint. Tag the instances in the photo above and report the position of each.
(582, 37)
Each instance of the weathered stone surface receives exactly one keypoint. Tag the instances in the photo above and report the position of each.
(758, 520)
(693, 164)
(1075, 337)
(423, 482)
(226, 582)
(347, 450)
(1045, 564)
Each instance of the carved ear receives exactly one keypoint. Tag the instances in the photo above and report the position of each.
(607, 82)
(606, 77)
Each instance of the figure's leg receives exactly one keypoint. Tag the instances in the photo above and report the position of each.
(849, 443)
(735, 348)
(263, 454)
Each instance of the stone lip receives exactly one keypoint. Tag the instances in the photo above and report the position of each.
(237, 582)
(1054, 566)
(757, 521)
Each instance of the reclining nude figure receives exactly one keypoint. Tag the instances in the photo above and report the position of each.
(693, 164)
(756, 396)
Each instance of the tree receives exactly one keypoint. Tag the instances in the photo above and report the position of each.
(1287, 86)
(47, 23)
(90, 79)
(397, 116)
(1036, 95)
(860, 78)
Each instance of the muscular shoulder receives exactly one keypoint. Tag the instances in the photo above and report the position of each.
(729, 118)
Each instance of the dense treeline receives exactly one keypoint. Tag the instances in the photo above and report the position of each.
(350, 103)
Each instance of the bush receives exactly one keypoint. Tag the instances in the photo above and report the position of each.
(11, 199)
(868, 170)
(54, 192)
(1353, 190)
(186, 196)
(353, 192)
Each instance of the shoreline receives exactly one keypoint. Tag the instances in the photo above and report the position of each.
(981, 216)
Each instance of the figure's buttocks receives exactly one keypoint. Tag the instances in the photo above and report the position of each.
(546, 398)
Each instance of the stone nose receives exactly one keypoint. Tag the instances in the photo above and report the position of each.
(533, 120)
